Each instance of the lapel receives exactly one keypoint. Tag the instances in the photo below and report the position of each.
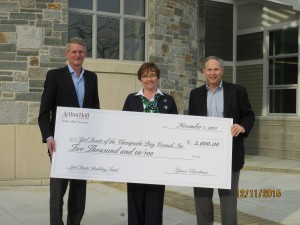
(202, 106)
(163, 104)
(70, 88)
(87, 86)
(138, 104)
(227, 99)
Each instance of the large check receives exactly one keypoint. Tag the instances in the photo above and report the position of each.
(142, 148)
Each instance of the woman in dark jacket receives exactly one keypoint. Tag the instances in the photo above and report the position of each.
(145, 201)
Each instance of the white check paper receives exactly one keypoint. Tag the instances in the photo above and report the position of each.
(139, 147)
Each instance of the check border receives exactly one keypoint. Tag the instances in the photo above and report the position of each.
(136, 147)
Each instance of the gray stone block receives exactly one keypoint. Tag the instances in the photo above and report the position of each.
(53, 65)
(8, 56)
(6, 78)
(52, 14)
(9, 6)
(8, 48)
(29, 37)
(58, 59)
(52, 41)
(13, 65)
(36, 83)
(44, 1)
(41, 5)
(16, 22)
(22, 16)
(36, 90)
(21, 58)
(6, 73)
(27, 52)
(15, 87)
(7, 28)
(44, 23)
(57, 51)
(13, 112)
(37, 73)
(60, 27)
(21, 76)
(30, 97)
(27, 3)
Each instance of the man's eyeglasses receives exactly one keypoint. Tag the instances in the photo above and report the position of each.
(150, 75)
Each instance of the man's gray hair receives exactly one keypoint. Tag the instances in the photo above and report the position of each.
(75, 40)
(215, 58)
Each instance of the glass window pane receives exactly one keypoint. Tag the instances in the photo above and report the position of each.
(107, 28)
(86, 4)
(108, 33)
(81, 26)
(112, 6)
(282, 101)
(284, 41)
(283, 71)
(135, 7)
(134, 40)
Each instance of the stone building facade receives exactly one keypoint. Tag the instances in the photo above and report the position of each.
(180, 34)
(33, 34)
(32, 39)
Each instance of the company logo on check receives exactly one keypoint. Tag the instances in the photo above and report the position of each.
(76, 115)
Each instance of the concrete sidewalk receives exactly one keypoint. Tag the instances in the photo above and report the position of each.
(260, 181)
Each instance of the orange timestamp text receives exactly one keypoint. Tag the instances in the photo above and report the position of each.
(258, 193)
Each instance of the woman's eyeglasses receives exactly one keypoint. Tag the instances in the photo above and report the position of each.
(150, 75)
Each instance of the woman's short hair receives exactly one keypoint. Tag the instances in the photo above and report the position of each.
(148, 67)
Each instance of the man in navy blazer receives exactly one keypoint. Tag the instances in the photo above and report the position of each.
(70, 86)
(218, 98)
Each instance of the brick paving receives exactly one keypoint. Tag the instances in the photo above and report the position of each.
(19, 198)
(186, 203)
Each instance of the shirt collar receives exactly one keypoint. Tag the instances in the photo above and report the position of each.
(73, 72)
(219, 88)
(141, 92)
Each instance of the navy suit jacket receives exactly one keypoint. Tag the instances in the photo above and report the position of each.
(59, 90)
(236, 106)
(166, 104)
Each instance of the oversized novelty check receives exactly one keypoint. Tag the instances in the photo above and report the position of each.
(139, 147)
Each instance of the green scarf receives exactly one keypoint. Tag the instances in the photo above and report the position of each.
(150, 106)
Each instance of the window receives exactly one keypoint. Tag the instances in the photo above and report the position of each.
(283, 71)
(114, 29)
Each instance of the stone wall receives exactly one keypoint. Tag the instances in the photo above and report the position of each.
(33, 34)
(173, 46)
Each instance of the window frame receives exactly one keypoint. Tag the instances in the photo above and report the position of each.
(270, 87)
(122, 16)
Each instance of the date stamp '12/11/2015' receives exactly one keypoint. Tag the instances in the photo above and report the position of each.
(259, 193)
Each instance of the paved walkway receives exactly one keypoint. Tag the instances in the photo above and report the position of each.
(269, 195)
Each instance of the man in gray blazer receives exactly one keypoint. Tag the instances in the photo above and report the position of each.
(221, 99)
(70, 86)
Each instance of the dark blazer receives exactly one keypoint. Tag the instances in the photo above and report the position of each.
(166, 104)
(145, 201)
(236, 106)
(59, 90)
